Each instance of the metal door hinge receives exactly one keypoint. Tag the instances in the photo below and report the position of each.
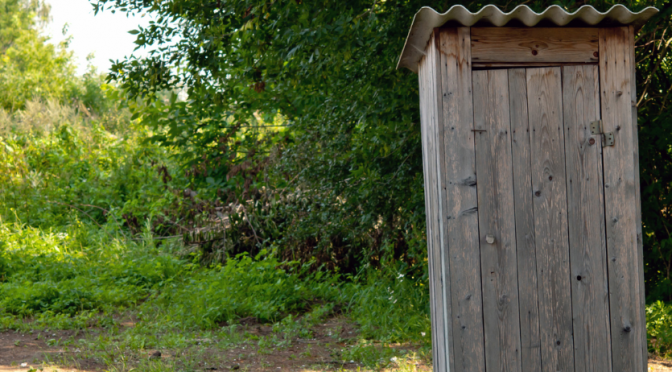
(608, 139)
(596, 127)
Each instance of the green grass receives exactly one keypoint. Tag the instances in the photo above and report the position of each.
(84, 280)
(68, 261)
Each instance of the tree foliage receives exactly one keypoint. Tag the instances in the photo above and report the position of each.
(30, 67)
(351, 142)
(33, 69)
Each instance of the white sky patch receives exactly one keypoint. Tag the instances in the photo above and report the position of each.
(105, 34)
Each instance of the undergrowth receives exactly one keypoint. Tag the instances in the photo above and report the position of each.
(84, 208)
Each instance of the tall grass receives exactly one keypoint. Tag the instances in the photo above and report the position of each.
(68, 257)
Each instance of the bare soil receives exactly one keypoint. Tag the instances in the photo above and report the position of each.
(19, 348)
(319, 353)
(659, 365)
(22, 351)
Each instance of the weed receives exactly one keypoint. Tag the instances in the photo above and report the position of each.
(659, 328)
(372, 355)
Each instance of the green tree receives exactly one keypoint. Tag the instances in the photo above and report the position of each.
(18, 17)
(352, 142)
(30, 67)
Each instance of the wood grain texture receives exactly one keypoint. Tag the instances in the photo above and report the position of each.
(430, 121)
(508, 44)
(620, 191)
(461, 243)
(550, 217)
(638, 197)
(524, 219)
(496, 220)
(585, 210)
(490, 65)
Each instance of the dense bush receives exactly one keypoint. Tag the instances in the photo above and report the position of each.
(50, 272)
(79, 219)
(56, 164)
(659, 328)
(350, 141)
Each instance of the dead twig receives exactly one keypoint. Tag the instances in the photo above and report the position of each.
(252, 227)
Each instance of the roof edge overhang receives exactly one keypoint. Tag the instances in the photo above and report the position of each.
(426, 19)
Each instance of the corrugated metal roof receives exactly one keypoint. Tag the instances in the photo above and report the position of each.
(426, 19)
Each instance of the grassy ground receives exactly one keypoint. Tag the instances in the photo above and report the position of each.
(82, 290)
(246, 347)
(95, 303)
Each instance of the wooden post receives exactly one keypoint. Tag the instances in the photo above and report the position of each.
(621, 192)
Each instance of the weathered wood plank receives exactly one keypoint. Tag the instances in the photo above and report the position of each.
(424, 120)
(550, 218)
(507, 44)
(489, 65)
(585, 211)
(425, 125)
(640, 241)
(443, 288)
(430, 121)
(496, 221)
(525, 245)
(620, 191)
(461, 214)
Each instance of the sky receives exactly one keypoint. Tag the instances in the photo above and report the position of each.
(105, 35)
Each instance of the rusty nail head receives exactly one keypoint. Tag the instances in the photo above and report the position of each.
(534, 52)
(595, 54)
(591, 141)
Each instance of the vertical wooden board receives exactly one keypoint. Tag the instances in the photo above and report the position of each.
(524, 219)
(430, 120)
(585, 211)
(426, 119)
(638, 197)
(620, 192)
(496, 221)
(439, 252)
(435, 203)
(550, 215)
(460, 202)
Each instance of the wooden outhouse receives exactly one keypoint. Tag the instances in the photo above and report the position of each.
(529, 137)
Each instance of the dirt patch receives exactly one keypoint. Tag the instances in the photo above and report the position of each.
(22, 351)
(321, 352)
(659, 365)
(259, 347)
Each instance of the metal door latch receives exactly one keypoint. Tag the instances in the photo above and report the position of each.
(608, 139)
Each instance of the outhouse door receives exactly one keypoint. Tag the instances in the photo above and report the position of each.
(541, 219)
